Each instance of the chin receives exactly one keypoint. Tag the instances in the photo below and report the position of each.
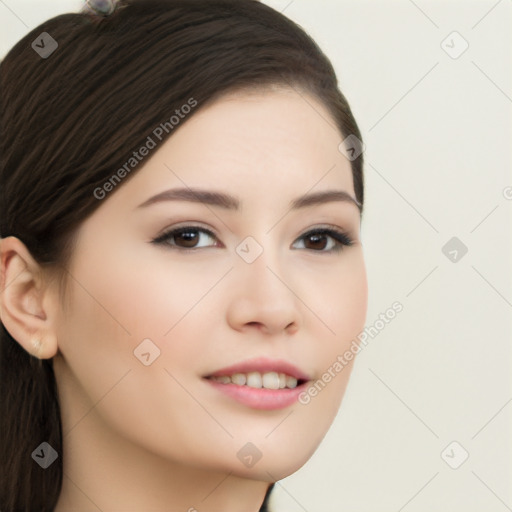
(277, 462)
(273, 470)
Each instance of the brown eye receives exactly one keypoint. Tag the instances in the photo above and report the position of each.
(185, 238)
(325, 240)
(316, 242)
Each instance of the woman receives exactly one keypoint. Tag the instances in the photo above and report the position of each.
(181, 197)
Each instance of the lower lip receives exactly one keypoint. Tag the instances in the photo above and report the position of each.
(260, 398)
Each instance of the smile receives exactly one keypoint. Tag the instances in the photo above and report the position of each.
(268, 380)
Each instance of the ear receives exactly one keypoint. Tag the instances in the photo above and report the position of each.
(27, 303)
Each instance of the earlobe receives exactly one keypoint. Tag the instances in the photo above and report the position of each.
(25, 310)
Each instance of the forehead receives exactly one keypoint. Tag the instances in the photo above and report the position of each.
(247, 144)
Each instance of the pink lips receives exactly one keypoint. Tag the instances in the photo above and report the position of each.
(261, 398)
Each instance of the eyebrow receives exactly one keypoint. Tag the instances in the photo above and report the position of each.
(229, 202)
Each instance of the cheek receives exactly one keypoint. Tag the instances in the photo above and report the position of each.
(110, 311)
(107, 318)
(351, 301)
(338, 297)
(341, 299)
(135, 299)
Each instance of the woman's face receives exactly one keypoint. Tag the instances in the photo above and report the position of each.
(146, 323)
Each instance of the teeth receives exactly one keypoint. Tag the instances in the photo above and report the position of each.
(291, 382)
(254, 380)
(239, 378)
(269, 380)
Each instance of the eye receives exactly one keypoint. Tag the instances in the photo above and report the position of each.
(325, 240)
(186, 237)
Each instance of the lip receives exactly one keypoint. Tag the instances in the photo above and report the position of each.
(260, 398)
(262, 365)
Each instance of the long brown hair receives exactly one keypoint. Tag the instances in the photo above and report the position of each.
(70, 120)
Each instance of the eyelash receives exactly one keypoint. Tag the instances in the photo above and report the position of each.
(341, 238)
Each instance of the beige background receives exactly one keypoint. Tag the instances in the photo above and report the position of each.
(437, 131)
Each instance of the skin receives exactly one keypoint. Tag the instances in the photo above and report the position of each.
(159, 437)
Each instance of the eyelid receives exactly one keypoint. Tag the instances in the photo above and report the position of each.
(186, 224)
(333, 227)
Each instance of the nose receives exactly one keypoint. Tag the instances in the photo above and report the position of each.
(262, 298)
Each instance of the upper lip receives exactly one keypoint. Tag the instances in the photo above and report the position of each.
(262, 365)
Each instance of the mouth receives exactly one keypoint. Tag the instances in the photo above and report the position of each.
(257, 380)
(260, 383)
